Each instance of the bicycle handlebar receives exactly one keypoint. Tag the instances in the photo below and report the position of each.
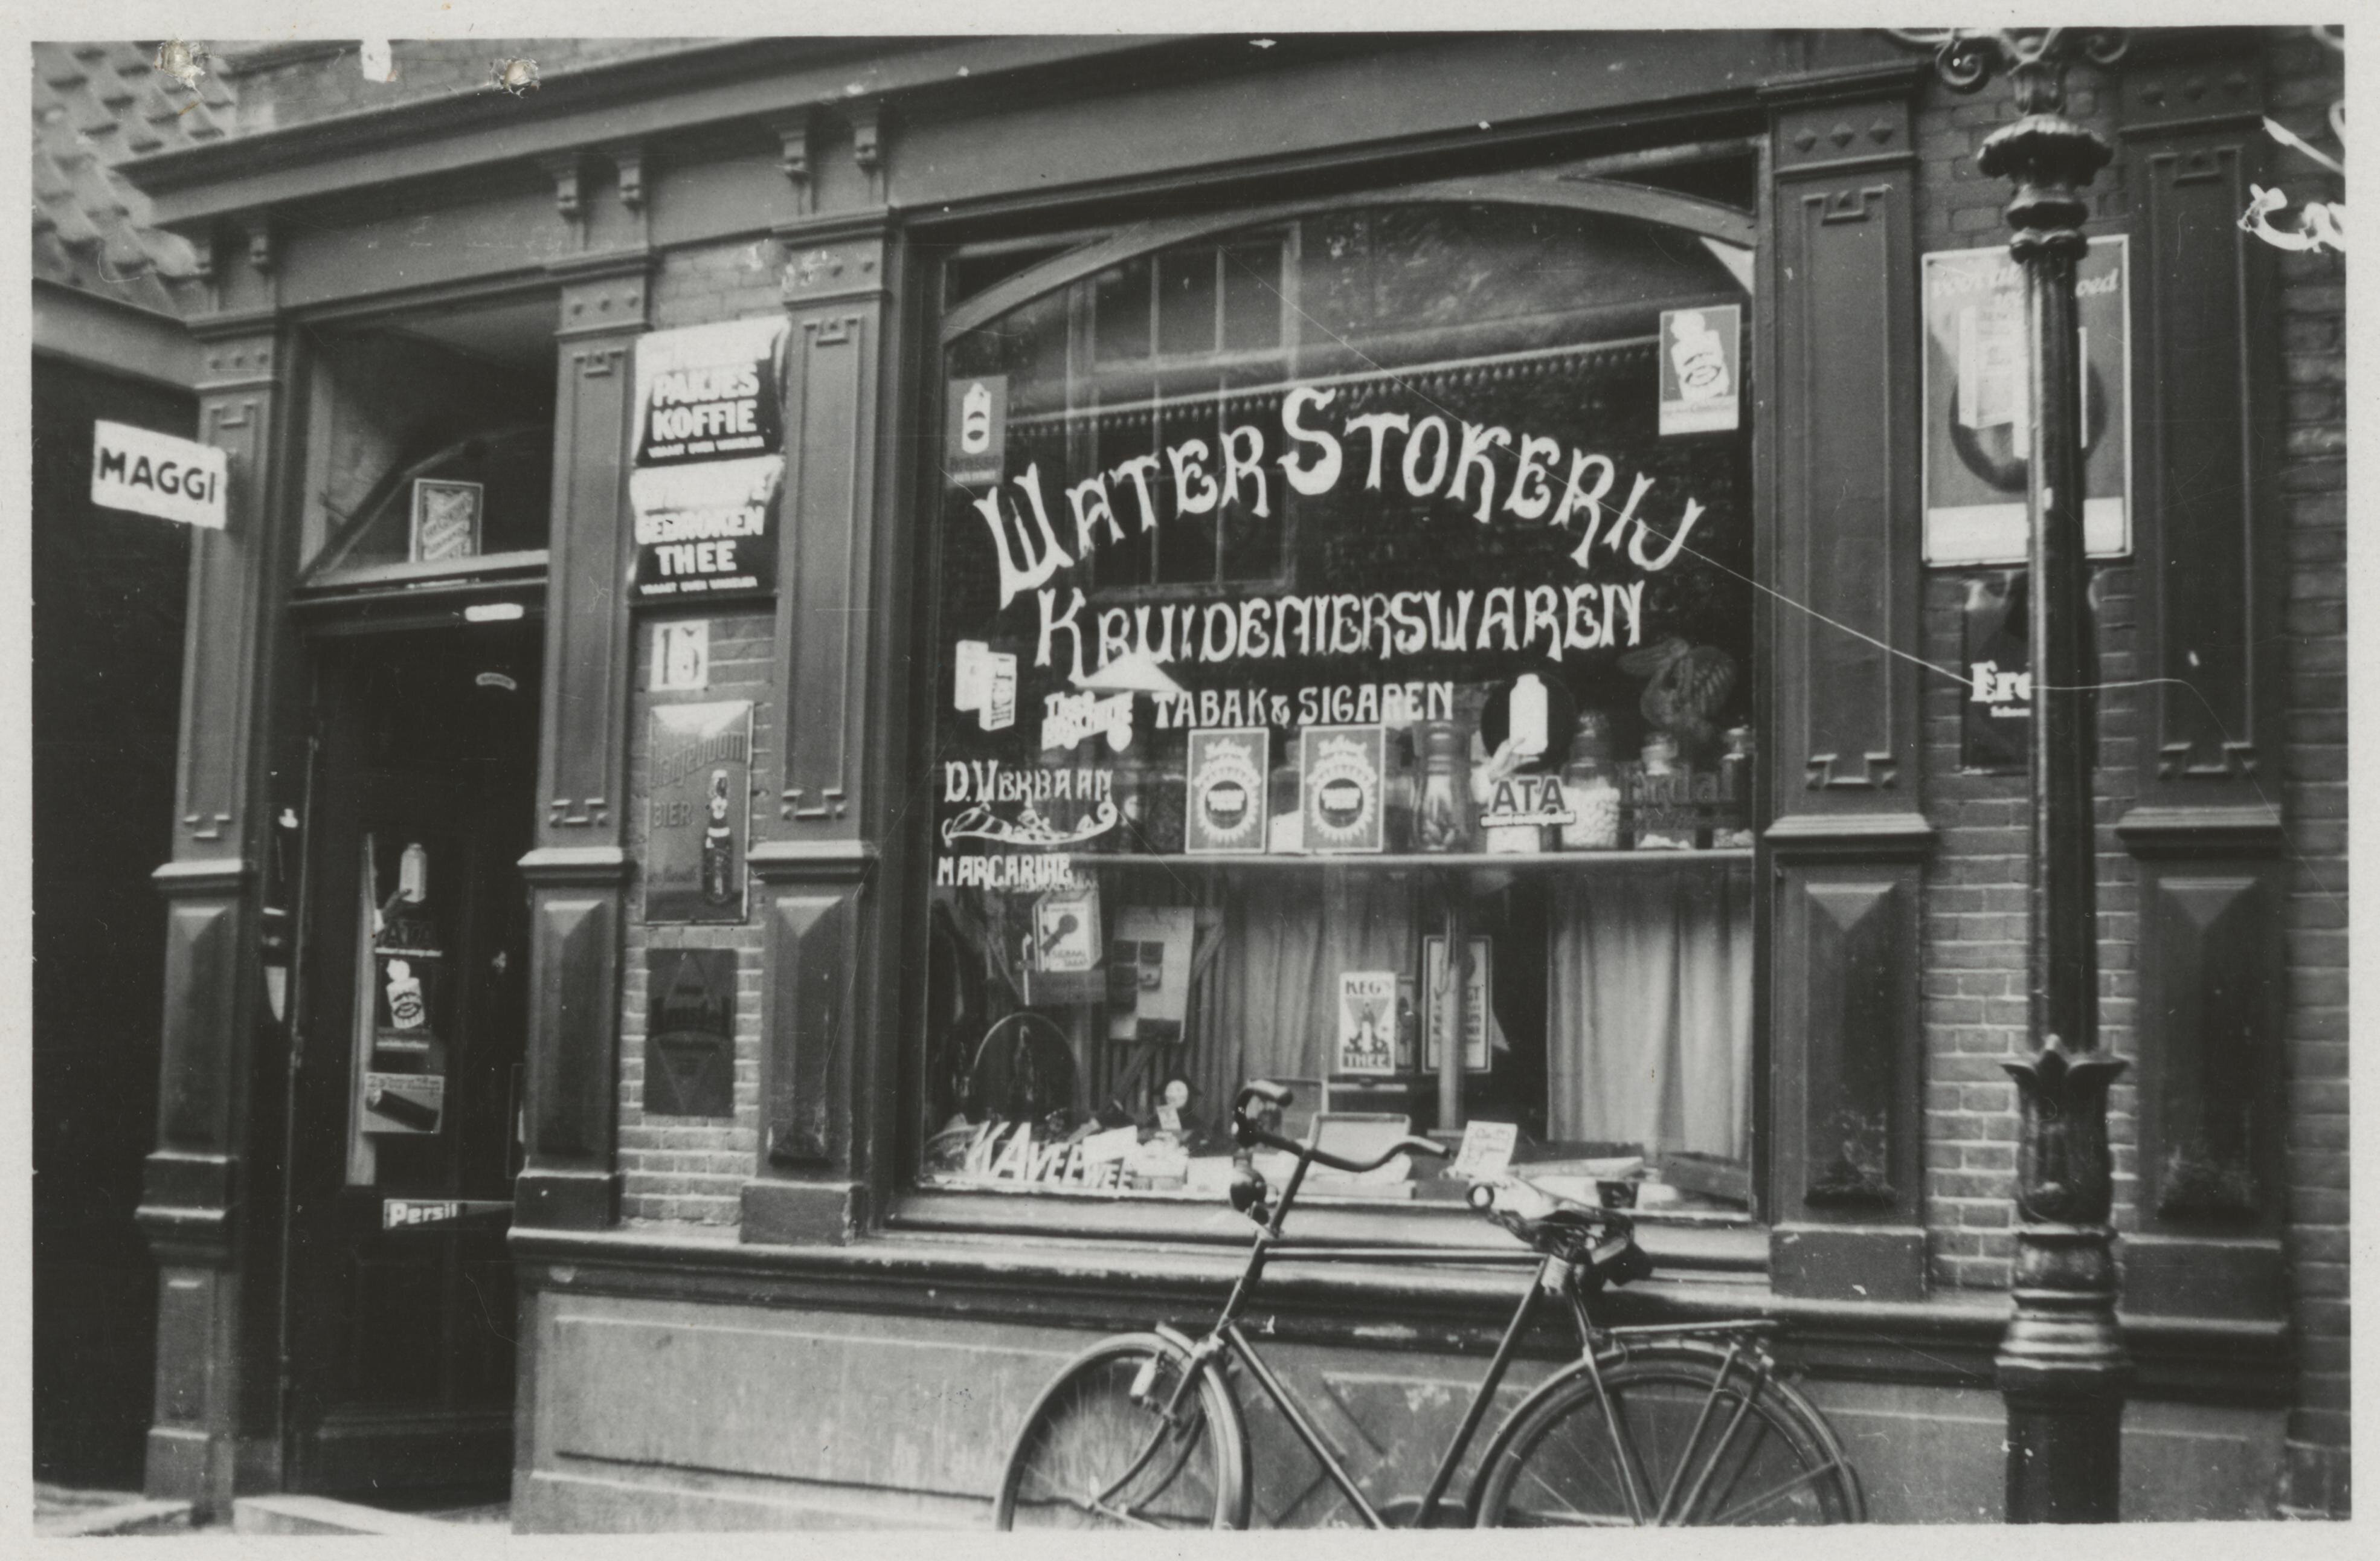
(1248, 1132)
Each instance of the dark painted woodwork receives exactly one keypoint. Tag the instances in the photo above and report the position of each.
(1857, 933)
(584, 758)
(2209, 844)
(1850, 1263)
(2213, 1099)
(2204, 399)
(577, 874)
(1842, 410)
(2205, 836)
(834, 294)
(814, 862)
(813, 902)
(1846, 1078)
(235, 657)
(1839, 450)
(576, 912)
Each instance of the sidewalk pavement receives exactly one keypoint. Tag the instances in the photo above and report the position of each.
(61, 1512)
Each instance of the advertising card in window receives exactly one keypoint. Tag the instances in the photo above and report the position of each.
(1341, 775)
(1702, 364)
(446, 521)
(1228, 797)
(1367, 1022)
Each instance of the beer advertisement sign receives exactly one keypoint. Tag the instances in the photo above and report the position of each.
(698, 807)
(708, 452)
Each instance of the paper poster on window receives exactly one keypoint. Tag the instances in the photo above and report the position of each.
(708, 459)
(1148, 973)
(1478, 1014)
(698, 805)
(1367, 1022)
(974, 425)
(1702, 369)
(1978, 422)
(1066, 935)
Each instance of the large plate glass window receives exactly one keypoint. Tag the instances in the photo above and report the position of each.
(1343, 640)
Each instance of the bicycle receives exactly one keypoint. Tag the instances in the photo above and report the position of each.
(1143, 1430)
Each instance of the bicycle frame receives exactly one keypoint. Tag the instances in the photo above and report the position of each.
(1553, 1277)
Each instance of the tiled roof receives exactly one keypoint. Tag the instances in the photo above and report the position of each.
(96, 106)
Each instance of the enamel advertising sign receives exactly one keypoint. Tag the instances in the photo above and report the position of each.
(709, 448)
(156, 474)
(700, 782)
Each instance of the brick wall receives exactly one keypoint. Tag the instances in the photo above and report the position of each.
(1973, 956)
(677, 1168)
(2304, 79)
(692, 1169)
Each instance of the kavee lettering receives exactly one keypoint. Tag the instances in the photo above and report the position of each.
(1485, 470)
(1553, 621)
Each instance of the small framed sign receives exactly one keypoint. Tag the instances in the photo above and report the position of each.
(1367, 1022)
(446, 520)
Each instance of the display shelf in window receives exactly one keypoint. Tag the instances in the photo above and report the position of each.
(1435, 861)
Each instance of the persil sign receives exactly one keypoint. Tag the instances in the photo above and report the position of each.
(156, 474)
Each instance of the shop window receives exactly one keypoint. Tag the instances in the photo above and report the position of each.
(430, 440)
(1311, 603)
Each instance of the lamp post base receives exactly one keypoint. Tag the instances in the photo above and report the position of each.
(2063, 1372)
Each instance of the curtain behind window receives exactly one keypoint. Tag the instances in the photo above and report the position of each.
(1651, 1010)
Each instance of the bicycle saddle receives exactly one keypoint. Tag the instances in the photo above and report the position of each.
(1599, 1244)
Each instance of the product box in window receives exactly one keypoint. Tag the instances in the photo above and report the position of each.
(1229, 770)
(1342, 775)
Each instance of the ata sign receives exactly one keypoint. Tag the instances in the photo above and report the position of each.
(157, 474)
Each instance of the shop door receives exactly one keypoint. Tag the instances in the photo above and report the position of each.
(407, 1110)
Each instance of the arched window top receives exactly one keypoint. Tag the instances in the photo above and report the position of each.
(1722, 227)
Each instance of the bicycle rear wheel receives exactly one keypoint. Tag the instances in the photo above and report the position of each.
(1693, 1449)
(1097, 1451)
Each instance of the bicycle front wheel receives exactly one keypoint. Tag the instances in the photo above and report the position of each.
(1099, 1449)
(1681, 1443)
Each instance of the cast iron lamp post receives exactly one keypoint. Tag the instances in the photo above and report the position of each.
(2062, 1366)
